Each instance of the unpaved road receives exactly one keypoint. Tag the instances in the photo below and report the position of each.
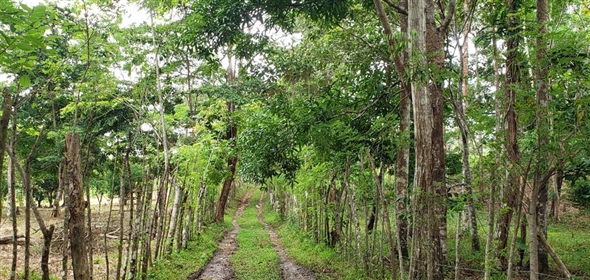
(289, 269)
(219, 268)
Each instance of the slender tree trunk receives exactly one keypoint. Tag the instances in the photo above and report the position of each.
(10, 178)
(402, 161)
(148, 230)
(59, 192)
(460, 106)
(25, 175)
(519, 208)
(132, 229)
(533, 240)
(90, 234)
(232, 161)
(137, 229)
(174, 216)
(10, 205)
(492, 196)
(66, 225)
(385, 209)
(164, 140)
(108, 225)
(76, 196)
(121, 218)
(6, 113)
(353, 210)
(457, 247)
(542, 98)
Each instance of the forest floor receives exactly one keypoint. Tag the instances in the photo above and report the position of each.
(100, 230)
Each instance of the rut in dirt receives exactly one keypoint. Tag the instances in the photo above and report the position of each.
(289, 269)
(218, 267)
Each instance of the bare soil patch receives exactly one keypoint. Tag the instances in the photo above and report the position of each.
(99, 229)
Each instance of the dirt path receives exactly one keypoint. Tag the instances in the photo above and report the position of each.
(219, 268)
(289, 269)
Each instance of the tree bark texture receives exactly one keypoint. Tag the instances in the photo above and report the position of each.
(510, 190)
(77, 206)
(425, 226)
(542, 98)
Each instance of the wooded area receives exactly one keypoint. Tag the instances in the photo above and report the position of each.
(395, 132)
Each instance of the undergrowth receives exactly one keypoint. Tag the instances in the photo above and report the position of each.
(324, 261)
(179, 265)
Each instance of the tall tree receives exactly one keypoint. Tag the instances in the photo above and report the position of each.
(537, 217)
(510, 191)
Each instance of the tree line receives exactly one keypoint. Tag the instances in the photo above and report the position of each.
(378, 123)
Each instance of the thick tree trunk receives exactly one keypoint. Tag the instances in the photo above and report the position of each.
(77, 206)
(424, 245)
(510, 190)
(435, 49)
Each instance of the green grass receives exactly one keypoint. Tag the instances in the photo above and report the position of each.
(323, 260)
(255, 257)
(570, 238)
(180, 265)
(571, 241)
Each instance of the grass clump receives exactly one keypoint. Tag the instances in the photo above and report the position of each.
(255, 257)
(179, 265)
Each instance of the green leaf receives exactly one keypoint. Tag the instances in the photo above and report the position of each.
(24, 46)
(24, 80)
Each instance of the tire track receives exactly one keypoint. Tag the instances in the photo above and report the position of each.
(289, 269)
(218, 267)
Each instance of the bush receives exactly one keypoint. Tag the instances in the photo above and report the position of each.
(579, 194)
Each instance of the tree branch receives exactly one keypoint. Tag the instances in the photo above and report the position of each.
(450, 14)
(399, 65)
(397, 7)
